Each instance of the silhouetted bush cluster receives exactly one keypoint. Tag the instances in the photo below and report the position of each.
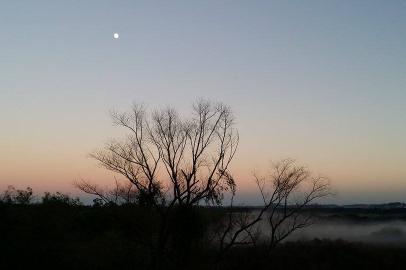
(60, 198)
(16, 196)
(20, 196)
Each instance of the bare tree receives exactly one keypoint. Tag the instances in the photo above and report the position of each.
(285, 194)
(171, 159)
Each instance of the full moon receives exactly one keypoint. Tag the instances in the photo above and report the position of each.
(116, 35)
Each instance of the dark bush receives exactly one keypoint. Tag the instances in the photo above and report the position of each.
(60, 198)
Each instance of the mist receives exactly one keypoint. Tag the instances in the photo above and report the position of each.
(385, 232)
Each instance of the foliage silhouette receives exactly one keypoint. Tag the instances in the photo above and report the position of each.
(18, 196)
(60, 198)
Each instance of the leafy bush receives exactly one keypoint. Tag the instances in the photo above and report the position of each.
(60, 198)
(17, 196)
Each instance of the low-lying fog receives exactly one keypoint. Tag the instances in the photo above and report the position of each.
(388, 232)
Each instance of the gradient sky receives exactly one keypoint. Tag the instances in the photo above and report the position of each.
(323, 82)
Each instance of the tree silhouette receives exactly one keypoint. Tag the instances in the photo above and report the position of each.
(171, 159)
(285, 193)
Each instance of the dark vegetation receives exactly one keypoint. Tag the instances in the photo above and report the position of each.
(373, 213)
(62, 234)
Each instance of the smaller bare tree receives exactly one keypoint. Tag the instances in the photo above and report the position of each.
(285, 195)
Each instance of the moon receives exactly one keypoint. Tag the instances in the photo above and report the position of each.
(116, 35)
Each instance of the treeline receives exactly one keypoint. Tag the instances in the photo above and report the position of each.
(26, 196)
(58, 232)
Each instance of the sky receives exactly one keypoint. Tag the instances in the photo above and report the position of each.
(322, 82)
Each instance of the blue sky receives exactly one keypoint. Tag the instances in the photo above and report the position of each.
(320, 81)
